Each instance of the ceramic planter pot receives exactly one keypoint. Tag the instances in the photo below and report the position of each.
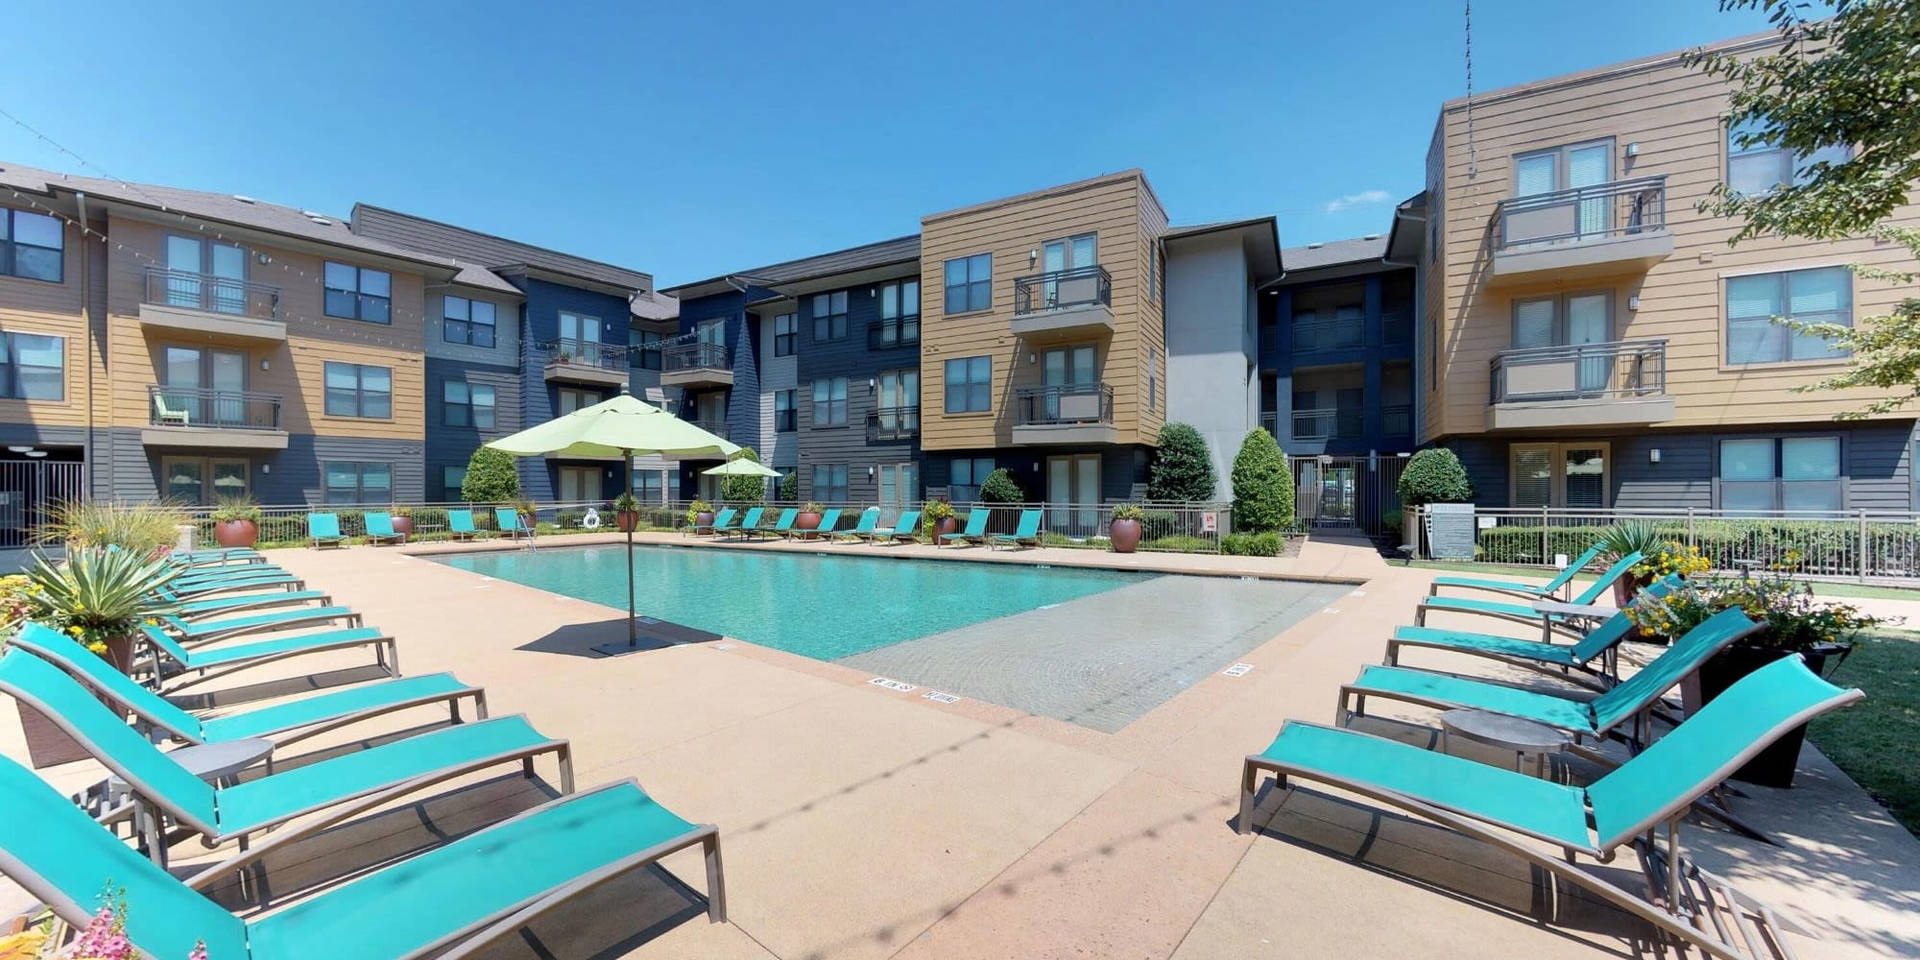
(236, 533)
(806, 520)
(47, 744)
(627, 520)
(1628, 587)
(1774, 766)
(1124, 535)
(704, 520)
(403, 525)
(944, 526)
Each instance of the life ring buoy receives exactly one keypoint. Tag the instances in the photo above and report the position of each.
(592, 520)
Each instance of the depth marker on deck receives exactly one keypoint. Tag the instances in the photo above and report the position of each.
(723, 646)
(938, 697)
(894, 685)
(1237, 670)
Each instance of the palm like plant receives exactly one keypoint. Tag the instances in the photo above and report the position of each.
(1629, 537)
(99, 594)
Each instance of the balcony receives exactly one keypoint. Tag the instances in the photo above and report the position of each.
(1077, 301)
(1081, 413)
(1396, 420)
(1623, 383)
(1328, 423)
(178, 300)
(716, 427)
(196, 417)
(1582, 232)
(696, 366)
(1329, 336)
(585, 361)
(895, 332)
(893, 424)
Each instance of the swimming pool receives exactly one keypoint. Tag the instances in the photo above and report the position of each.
(1098, 648)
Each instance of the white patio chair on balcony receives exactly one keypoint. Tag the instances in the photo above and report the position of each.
(166, 415)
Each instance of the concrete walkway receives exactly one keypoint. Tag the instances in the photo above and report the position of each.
(860, 822)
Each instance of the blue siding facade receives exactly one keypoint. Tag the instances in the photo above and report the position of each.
(540, 323)
(1378, 368)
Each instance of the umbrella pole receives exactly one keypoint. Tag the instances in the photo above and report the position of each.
(633, 628)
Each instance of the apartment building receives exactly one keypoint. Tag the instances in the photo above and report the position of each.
(1589, 339)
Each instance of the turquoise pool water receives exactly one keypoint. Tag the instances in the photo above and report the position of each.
(825, 606)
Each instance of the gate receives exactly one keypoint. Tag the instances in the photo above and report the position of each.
(1346, 491)
(28, 488)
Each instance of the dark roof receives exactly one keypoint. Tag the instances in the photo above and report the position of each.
(1261, 233)
(1218, 225)
(867, 256)
(220, 207)
(1335, 253)
(486, 249)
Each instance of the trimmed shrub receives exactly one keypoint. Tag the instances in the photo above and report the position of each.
(1435, 475)
(1266, 544)
(1178, 544)
(491, 478)
(1000, 487)
(1183, 469)
(1262, 485)
(790, 487)
(1155, 524)
(744, 489)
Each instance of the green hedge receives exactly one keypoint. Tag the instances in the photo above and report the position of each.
(1266, 544)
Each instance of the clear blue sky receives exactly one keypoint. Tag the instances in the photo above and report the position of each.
(686, 141)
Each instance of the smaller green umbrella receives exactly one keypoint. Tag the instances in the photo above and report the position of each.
(741, 468)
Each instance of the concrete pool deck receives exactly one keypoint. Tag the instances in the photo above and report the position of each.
(863, 822)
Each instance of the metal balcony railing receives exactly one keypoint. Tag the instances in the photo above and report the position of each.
(1396, 420)
(1270, 422)
(1396, 326)
(1317, 336)
(893, 423)
(1579, 214)
(716, 427)
(1619, 369)
(1077, 403)
(204, 291)
(1062, 288)
(586, 353)
(1327, 423)
(213, 409)
(893, 332)
(697, 356)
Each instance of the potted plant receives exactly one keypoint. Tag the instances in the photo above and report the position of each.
(626, 512)
(1624, 539)
(402, 520)
(100, 597)
(236, 522)
(937, 516)
(700, 515)
(529, 515)
(809, 516)
(1124, 531)
(1795, 622)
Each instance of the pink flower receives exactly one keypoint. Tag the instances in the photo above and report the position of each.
(199, 951)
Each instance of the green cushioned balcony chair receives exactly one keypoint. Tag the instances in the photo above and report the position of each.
(1594, 655)
(449, 901)
(162, 657)
(1627, 808)
(340, 787)
(1026, 534)
(323, 530)
(1520, 588)
(284, 722)
(1525, 614)
(975, 531)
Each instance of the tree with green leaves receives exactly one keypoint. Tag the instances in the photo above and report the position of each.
(1262, 485)
(1848, 80)
(1001, 487)
(1435, 475)
(743, 489)
(1183, 467)
(491, 477)
(790, 486)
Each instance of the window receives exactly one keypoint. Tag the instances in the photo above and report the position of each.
(650, 486)
(786, 410)
(898, 406)
(467, 321)
(349, 481)
(830, 316)
(206, 274)
(646, 349)
(32, 245)
(830, 402)
(467, 405)
(965, 477)
(970, 283)
(1784, 473)
(451, 480)
(899, 314)
(785, 327)
(1558, 475)
(359, 293)
(1153, 378)
(829, 483)
(1762, 165)
(1824, 295)
(970, 385)
(573, 398)
(33, 367)
(354, 390)
(203, 480)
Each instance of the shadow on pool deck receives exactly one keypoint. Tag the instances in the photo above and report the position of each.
(580, 639)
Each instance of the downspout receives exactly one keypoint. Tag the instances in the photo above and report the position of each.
(86, 310)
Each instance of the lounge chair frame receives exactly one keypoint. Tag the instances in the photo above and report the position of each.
(386, 655)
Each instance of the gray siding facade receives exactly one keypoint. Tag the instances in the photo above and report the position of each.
(290, 476)
(451, 445)
(851, 358)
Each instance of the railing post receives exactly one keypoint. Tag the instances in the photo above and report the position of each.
(1545, 557)
(1863, 545)
(1690, 537)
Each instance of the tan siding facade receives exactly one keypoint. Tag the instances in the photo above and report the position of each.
(53, 309)
(1673, 115)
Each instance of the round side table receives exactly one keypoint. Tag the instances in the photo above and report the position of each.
(1525, 739)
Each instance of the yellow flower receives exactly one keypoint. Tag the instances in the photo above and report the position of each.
(76, 631)
(151, 622)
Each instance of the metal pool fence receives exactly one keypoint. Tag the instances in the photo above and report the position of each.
(1862, 545)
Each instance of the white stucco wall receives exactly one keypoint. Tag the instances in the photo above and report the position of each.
(1212, 382)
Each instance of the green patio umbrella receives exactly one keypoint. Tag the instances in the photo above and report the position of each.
(620, 427)
(741, 468)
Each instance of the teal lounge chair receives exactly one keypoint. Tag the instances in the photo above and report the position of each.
(783, 527)
(723, 522)
(750, 524)
(460, 525)
(1630, 701)
(508, 520)
(1027, 534)
(380, 529)
(864, 528)
(374, 776)
(261, 600)
(828, 520)
(323, 529)
(274, 579)
(451, 900)
(165, 656)
(1600, 645)
(975, 532)
(1519, 588)
(1524, 613)
(1624, 809)
(206, 631)
(905, 530)
(218, 557)
(285, 722)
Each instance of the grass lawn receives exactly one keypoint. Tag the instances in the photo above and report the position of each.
(1874, 741)
(1542, 574)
